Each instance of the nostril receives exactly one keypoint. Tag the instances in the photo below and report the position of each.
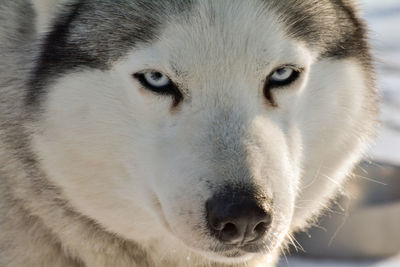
(261, 227)
(229, 229)
(230, 233)
(263, 223)
(259, 230)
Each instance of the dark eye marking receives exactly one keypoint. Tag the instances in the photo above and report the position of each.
(159, 83)
(280, 78)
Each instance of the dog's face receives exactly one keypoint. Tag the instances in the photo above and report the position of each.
(206, 135)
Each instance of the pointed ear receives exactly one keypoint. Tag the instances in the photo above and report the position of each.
(46, 10)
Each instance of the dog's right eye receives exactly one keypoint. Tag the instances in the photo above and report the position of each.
(282, 76)
(154, 80)
(159, 83)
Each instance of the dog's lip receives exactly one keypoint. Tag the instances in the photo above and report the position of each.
(234, 253)
(248, 249)
(253, 248)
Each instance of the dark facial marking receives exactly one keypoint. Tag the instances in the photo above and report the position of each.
(58, 54)
(171, 89)
(270, 98)
(329, 25)
(93, 34)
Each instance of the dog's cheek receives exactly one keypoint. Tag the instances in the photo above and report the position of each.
(85, 137)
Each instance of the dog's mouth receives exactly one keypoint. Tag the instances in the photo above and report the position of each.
(235, 255)
(248, 248)
(237, 252)
(220, 252)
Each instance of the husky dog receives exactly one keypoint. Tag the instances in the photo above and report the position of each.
(176, 132)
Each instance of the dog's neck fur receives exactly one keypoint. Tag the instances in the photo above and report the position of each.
(35, 218)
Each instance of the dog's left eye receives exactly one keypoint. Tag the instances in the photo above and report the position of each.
(153, 80)
(159, 83)
(282, 76)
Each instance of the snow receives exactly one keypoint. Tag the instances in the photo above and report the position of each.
(383, 17)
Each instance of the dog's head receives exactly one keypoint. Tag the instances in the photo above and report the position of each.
(222, 125)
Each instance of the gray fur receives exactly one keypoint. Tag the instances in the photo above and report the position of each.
(125, 24)
(331, 25)
(27, 198)
(35, 218)
(74, 40)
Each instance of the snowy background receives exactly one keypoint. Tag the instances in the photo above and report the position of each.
(383, 17)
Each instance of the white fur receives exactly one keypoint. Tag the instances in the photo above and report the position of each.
(124, 157)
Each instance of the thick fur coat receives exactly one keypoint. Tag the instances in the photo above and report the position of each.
(100, 165)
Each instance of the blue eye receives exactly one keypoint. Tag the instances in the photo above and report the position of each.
(282, 76)
(156, 79)
(159, 83)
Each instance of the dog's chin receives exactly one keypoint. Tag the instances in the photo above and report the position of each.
(234, 255)
(229, 257)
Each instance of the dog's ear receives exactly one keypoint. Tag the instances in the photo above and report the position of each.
(46, 11)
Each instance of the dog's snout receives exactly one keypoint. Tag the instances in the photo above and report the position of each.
(237, 220)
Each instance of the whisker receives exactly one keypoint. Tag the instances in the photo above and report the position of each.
(370, 179)
(345, 217)
(283, 252)
(314, 178)
(296, 243)
(330, 179)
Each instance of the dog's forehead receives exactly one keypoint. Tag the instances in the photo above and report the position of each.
(126, 23)
(221, 34)
(98, 33)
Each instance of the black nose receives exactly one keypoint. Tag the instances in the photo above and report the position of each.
(237, 219)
